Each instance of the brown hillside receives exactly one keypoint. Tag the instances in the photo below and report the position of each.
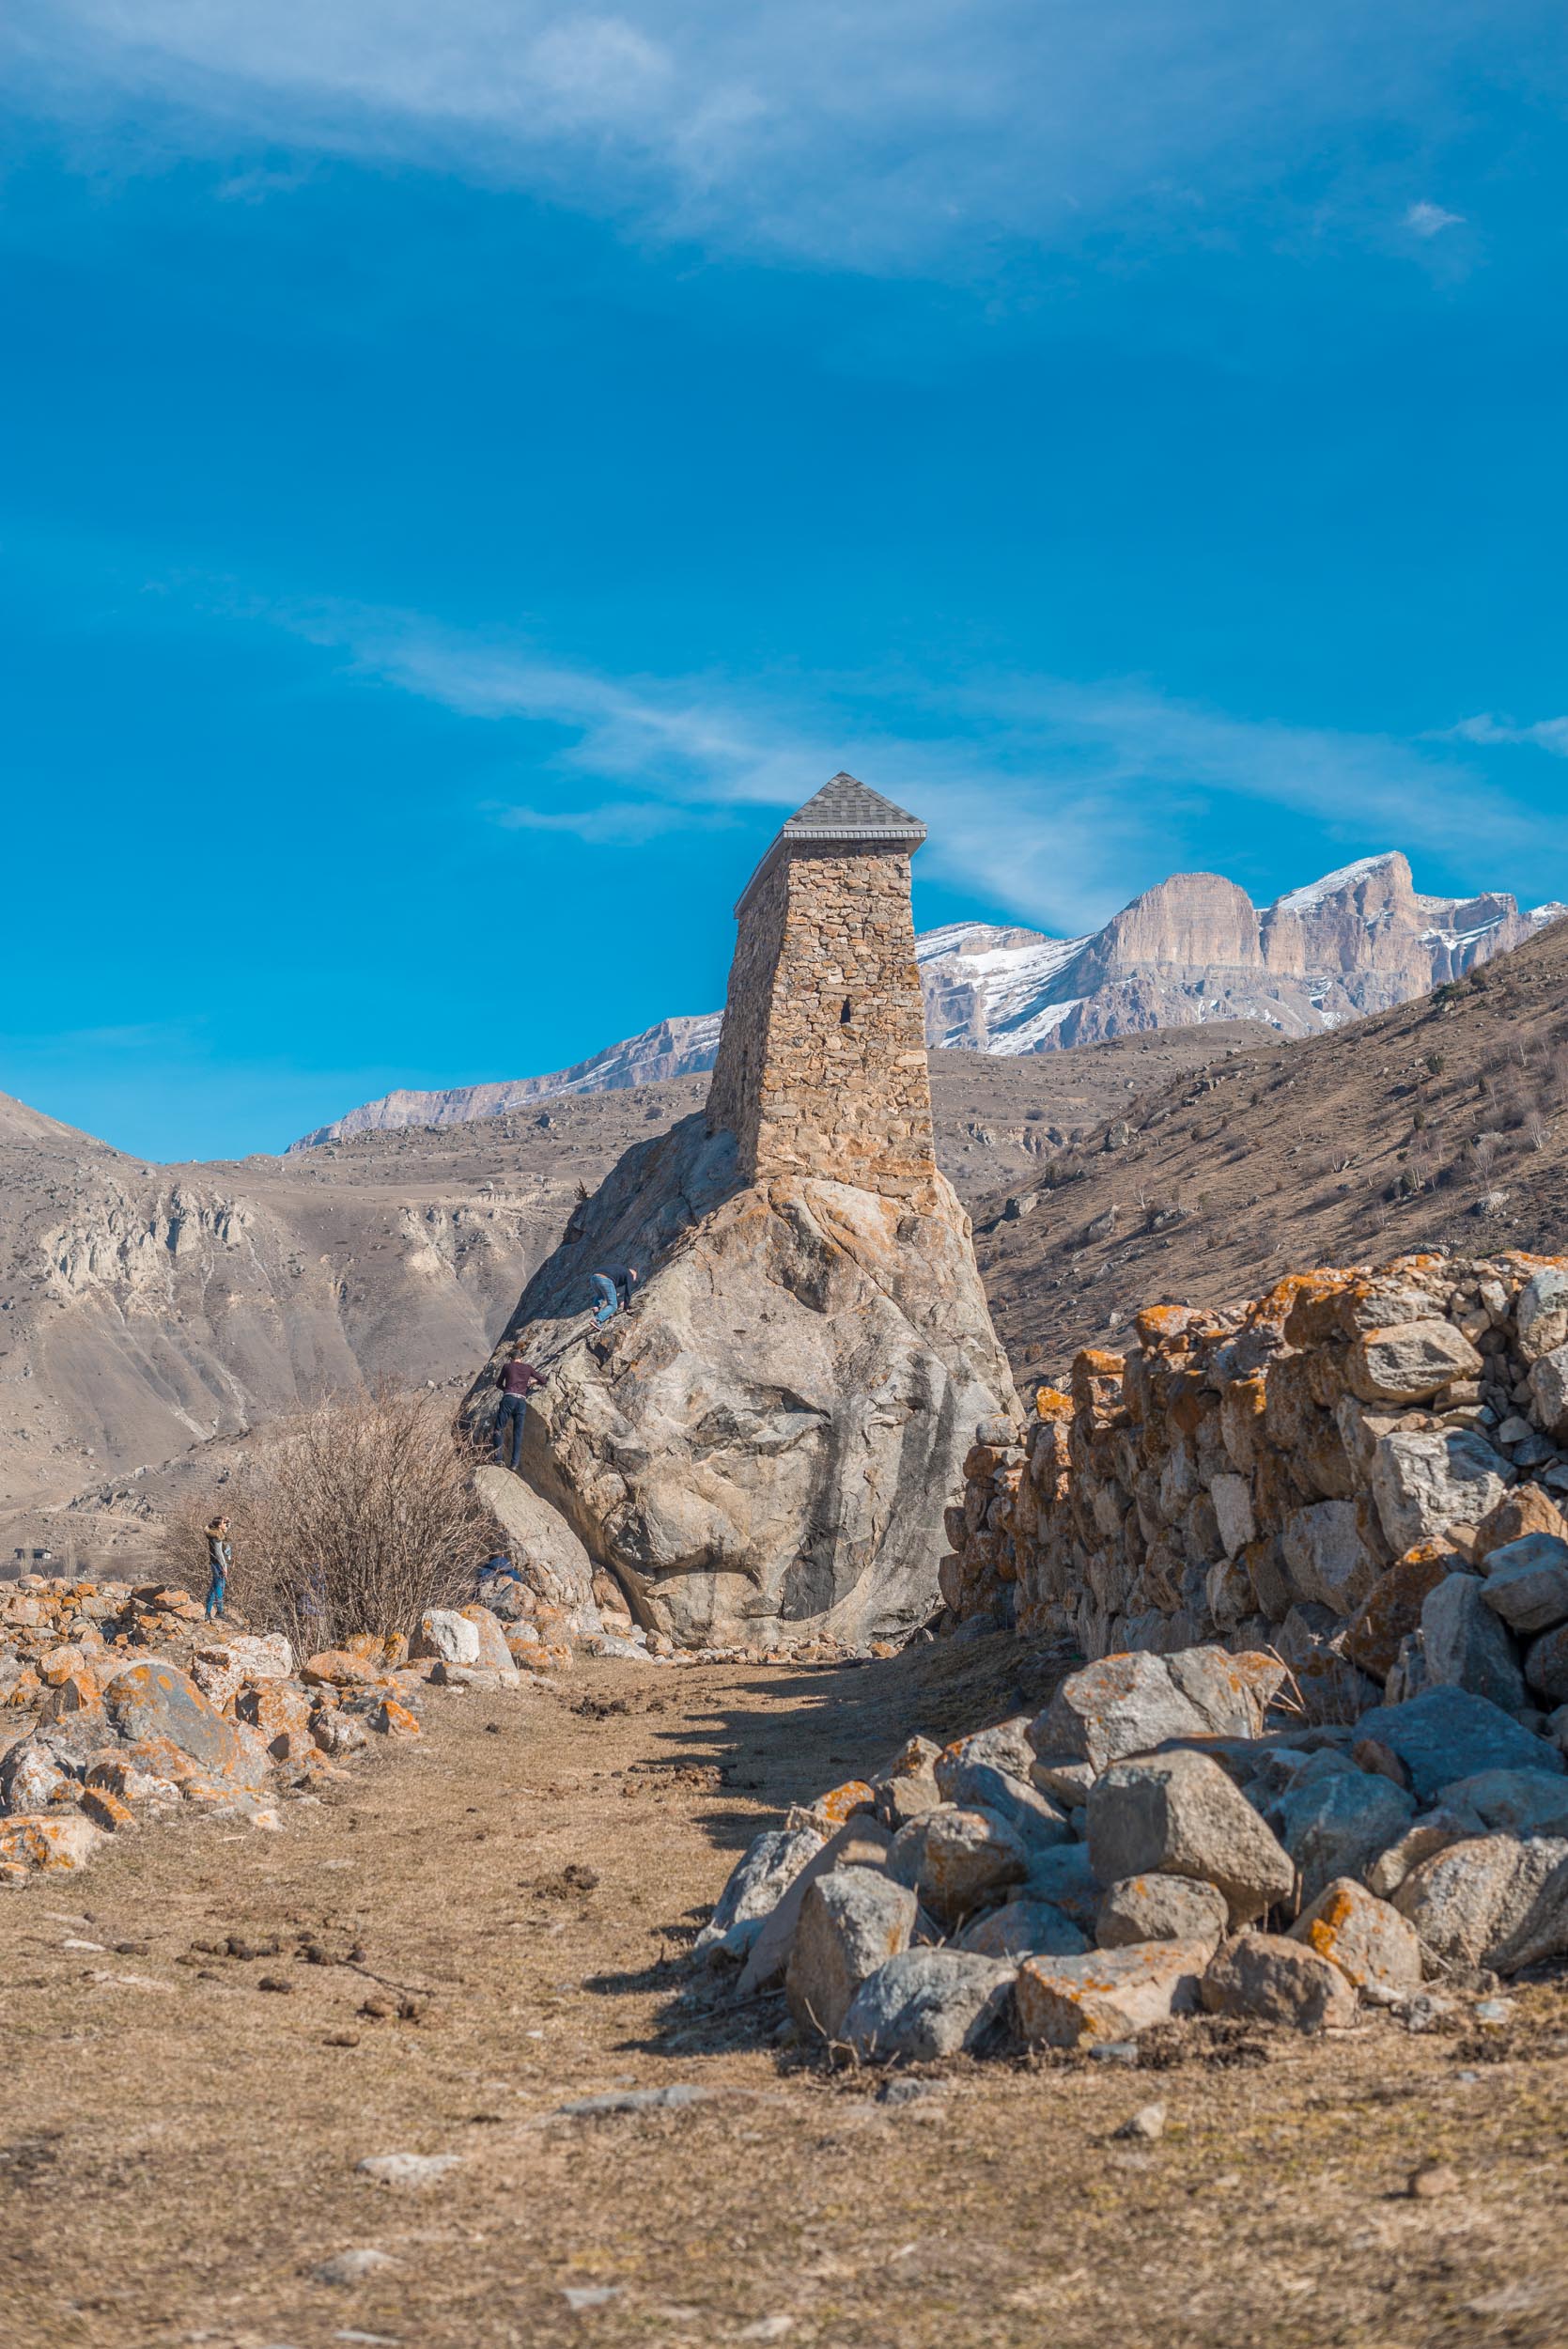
(1443, 1123)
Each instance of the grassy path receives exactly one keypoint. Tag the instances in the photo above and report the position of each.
(178, 2142)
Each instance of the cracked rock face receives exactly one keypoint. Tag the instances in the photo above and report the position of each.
(767, 1441)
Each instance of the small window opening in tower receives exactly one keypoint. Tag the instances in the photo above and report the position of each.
(844, 1015)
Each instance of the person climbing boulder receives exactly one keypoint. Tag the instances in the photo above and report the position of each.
(516, 1380)
(613, 1285)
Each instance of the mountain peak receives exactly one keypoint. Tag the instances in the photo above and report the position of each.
(1344, 877)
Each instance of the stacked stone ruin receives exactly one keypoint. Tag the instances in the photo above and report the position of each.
(1317, 1770)
(822, 1066)
(1355, 1471)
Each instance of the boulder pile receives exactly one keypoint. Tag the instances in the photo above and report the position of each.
(127, 1704)
(1170, 1835)
(1363, 1472)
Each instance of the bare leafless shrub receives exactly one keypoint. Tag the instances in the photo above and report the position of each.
(353, 1517)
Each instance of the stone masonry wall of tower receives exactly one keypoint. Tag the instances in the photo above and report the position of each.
(822, 1067)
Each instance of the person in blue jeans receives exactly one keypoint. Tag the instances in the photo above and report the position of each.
(613, 1285)
(220, 1558)
(516, 1380)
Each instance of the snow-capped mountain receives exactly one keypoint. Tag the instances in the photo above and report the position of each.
(1193, 949)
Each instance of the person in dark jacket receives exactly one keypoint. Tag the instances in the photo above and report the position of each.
(516, 1380)
(220, 1558)
(613, 1284)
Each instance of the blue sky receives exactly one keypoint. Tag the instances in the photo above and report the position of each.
(473, 470)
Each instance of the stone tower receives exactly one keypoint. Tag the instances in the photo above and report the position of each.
(821, 1067)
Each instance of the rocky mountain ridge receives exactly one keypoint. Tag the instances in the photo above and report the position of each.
(1192, 951)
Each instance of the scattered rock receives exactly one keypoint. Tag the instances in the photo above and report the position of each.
(1146, 2127)
(407, 2170)
(1108, 1994)
(1178, 1814)
(929, 2004)
(1272, 1980)
(1160, 1908)
(1374, 1947)
(353, 2266)
(851, 1922)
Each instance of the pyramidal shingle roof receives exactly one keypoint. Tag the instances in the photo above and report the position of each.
(846, 809)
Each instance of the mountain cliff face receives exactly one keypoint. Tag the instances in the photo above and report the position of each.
(675, 1048)
(1192, 950)
(1196, 949)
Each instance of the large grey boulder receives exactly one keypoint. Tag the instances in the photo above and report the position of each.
(969, 1857)
(1541, 1315)
(851, 1922)
(1495, 1901)
(1022, 1929)
(1465, 1645)
(1425, 1480)
(1410, 1361)
(1337, 1823)
(152, 1701)
(929, 2003)
(1160, 1908)
(1179, 1814)
(1129, 1704)
(756, 1884)
(767, 1443)
(1376, 1949)
(1273, 1980)
(1526, 1582)
(1447, 1733)
(539, 1541)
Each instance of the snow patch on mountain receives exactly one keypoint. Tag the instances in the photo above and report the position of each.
(1334, 884)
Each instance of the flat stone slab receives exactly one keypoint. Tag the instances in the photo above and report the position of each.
(1108, 1994)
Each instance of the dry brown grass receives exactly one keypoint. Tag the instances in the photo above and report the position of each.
(178, 2150)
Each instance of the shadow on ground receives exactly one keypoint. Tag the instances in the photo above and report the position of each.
(813, 1727)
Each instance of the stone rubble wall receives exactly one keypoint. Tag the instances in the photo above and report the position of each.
(822, 1065)
(119, 1706)
(1327, 1473)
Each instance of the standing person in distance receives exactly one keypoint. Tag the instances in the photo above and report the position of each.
(219, 1559)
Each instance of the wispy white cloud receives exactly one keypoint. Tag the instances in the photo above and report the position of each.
(868, 137)
(1055, 798)
(1430, 220)
(1545, 734)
